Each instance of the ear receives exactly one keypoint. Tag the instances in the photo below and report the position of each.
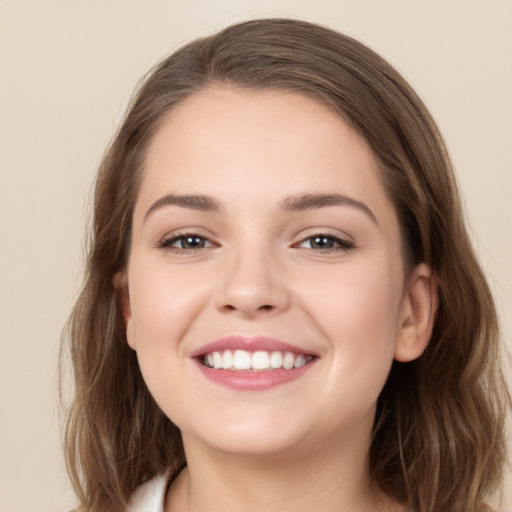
(418, 312)
(121, 285)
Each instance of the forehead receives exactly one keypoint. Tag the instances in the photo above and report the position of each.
(268, 132)
(221, 107)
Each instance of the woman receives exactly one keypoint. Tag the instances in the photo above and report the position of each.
(282, 309)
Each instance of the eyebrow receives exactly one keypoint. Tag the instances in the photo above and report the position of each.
(199, 202)
(293, 203)
(302, 202)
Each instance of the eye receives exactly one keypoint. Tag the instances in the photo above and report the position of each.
(186, 242)
(325, 242)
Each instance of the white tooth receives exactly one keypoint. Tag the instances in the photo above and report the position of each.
(299, 361)
(276, 360)
(242, 360)
(227, 360)
(260, 361)
(288, 361)
(209, 360)
(217, 360)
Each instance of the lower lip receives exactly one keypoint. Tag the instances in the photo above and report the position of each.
(253, 381)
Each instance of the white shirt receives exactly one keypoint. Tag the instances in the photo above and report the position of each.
(150, 496)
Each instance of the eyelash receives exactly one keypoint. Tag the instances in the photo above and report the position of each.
(342, 244)
(167, 243)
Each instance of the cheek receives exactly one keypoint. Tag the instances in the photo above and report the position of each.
(358, 310)
(163, 306)
(163, 301)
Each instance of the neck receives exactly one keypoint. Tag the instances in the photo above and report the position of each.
(327, 478)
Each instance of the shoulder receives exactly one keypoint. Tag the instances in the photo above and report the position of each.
(150, 496)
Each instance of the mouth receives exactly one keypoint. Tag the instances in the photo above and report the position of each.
(252, 364)
(261, 360)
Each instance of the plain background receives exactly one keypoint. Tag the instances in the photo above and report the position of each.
(67, 69)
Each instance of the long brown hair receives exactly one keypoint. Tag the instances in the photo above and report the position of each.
(438, 441)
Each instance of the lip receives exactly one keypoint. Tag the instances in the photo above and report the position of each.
(251, 380)
(250, 344)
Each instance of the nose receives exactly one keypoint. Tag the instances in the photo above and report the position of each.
(252, 285)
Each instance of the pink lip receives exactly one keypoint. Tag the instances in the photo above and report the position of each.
(250, 344)
(251, 380)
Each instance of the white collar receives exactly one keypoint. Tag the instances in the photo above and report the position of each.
(150, 496)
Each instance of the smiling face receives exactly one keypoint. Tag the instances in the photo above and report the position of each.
(263, 242)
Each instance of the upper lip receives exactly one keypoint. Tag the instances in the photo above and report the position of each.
(250, 344)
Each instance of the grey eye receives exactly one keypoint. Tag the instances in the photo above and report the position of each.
(186, 242)
(322, 242)
(325, 242)
(190, 242)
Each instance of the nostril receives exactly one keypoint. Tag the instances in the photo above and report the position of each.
(264, 307)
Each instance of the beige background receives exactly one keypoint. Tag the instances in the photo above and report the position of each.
(66, 71)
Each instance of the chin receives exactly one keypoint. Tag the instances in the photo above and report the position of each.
(250, 438)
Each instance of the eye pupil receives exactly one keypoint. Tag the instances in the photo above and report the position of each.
(322, 242)
(192, 242)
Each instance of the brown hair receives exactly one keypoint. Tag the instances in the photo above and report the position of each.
(438, 441)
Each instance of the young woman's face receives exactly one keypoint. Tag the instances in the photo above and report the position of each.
(266, 281)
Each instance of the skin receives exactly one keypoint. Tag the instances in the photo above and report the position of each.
(302, 445)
